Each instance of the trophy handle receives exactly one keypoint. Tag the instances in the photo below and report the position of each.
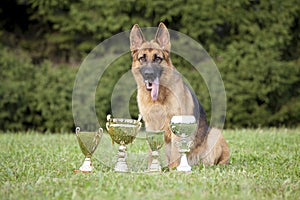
(107, 125)
(77, 130)
(108, 117)
(140, 117)
(139, 121)
(139, 125)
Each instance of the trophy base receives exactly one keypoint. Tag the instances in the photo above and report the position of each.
(121, 167)
(86, 167)
(184, 166)
(155, 166)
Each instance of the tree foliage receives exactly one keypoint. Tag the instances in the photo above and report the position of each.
(254, 43)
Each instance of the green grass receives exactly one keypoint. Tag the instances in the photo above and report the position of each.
(265, 164)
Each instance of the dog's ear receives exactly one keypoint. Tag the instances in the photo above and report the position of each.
(162, 37)
(136, 38)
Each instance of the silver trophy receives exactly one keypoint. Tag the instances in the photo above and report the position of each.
(123, 132)
(88, 142)
(183, 126)
(155, 141)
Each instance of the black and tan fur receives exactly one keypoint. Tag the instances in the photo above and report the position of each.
(162, 93)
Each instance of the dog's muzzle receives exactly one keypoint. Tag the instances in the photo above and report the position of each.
(151, 77)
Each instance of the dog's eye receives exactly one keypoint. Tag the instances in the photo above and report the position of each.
(142, 59)
(157, 59)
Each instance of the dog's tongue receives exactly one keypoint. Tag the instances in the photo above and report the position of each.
(154, 91)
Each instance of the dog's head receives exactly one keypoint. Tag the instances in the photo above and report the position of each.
(150, 58)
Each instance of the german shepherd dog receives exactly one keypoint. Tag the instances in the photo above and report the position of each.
(162, 93)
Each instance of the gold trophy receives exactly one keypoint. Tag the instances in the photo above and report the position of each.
(155, 141)
(123, 132)
(88, 142)
(183, 126)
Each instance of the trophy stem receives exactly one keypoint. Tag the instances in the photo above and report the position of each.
(121, 165)
(155, 165)
(87, 165)
(184, 166)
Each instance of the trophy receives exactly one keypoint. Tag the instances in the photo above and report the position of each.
(183, 126)
(155, 141)
(88, 142)
(123, 132)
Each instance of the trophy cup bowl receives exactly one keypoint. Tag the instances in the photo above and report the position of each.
(183, 126)
(123, 132)
(155, 141)
(88, 142)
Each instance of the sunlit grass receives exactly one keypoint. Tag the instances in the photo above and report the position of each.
(265, 164)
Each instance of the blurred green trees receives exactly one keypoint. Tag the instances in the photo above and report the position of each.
(255, 44)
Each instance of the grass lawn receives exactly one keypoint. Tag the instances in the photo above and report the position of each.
(265, 164)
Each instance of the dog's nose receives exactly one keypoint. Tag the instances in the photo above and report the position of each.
(149, 73)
